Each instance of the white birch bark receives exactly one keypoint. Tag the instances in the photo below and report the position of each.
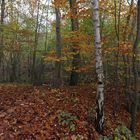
(99, 120)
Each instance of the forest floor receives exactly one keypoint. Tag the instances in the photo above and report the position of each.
(33, 113)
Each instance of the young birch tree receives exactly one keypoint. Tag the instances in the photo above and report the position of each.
(99, 119)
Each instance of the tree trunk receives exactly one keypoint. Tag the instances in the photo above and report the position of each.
(126, 60)
(1, 38)
(2, 21)
(135, 72)
(75, 47)
(58, 79)
(99, 119)
(116, 103)
(33, 78)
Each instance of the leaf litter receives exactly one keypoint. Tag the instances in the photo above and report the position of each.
(31, 113)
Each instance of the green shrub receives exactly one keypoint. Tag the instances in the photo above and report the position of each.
(67, 119)
(119, 133)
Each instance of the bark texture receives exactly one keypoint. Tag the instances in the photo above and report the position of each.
(135, 73)
(58, 80)
(99, 119)
(75, 47)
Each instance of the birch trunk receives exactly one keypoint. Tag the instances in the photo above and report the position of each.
(99, 119)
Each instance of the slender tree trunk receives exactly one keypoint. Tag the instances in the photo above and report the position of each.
(1, 38)
(29, 75)
(58, 79)
(127, 62)
(75, 47)
(35, 47)
(99, 119)
(135, 72)
(2, 22)
(117, 29)
(46, 34)
(42, 72)
(12, 52)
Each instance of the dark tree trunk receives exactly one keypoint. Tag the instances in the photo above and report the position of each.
(135, 73)
(58, 79)
(2, 21)
(34, 73)
(75, 47)
(1, 38)
(126, 59)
